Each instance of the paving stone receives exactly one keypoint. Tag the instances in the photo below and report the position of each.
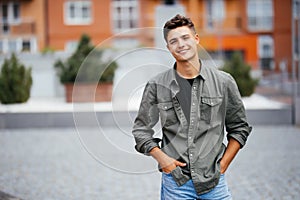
(55, 164)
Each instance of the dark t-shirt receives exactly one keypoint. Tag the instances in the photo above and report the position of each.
(184, 95)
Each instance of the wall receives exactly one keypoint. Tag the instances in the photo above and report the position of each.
(59, 32)
(282, 32)
(35, 10)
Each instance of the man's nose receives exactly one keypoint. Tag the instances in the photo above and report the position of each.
(181, 43)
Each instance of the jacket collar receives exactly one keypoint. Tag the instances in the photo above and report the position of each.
(172, 82)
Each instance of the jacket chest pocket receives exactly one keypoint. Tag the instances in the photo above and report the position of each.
(167, 113)
(209, 108)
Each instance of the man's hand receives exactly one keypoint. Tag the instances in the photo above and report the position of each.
(166, 163)
(169, 164)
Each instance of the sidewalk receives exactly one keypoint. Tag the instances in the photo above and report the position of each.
(53, 164)
(99, 162)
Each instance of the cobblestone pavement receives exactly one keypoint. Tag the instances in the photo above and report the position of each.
(56, 164)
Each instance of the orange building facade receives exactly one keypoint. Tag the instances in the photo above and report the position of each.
(22, 26)
(260, 29)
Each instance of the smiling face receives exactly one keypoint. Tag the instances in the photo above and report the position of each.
(182, 43)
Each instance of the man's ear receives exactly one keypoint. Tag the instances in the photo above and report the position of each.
(197, 38)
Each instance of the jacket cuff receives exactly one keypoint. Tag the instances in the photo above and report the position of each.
(238, 139)
(240, 135)
(148, 146)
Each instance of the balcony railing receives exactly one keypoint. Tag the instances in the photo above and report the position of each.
(16, 28)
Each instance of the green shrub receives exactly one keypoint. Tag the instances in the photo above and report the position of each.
(47, 50)
(85, 65)
(15, 81)
(240, 71)
(68, 70)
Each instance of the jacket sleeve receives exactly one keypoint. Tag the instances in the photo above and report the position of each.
(235, 119)
(146, 119)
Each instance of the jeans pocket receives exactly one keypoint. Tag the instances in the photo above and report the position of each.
(179, 177)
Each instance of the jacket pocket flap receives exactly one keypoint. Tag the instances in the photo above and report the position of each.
(165, 105)
(211, 101)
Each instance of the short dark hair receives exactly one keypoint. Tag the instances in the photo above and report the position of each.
(176, 22)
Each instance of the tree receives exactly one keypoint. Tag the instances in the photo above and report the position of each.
(15, 81)
(240, 71)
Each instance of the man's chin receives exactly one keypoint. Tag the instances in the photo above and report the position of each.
(183, 59)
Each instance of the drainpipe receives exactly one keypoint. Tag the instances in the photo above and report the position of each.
(293, 66)
(296, 96)
(46, 18)
(298, 83)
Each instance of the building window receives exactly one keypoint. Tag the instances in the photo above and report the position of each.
(78, 12)
(13, 46)
(10, 14)
(16, 11)
(26, 45)
(18, 45)
(260, 15)
(266, 52)
(215, 13)
(124, 15)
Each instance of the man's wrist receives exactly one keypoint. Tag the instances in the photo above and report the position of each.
(159, 155)
(154, 149)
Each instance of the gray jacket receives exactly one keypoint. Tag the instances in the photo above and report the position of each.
(215, 103)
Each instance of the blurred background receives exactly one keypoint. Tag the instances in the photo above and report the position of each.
(72, 66)
(264, 32)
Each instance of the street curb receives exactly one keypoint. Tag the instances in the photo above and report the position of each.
(119, 118)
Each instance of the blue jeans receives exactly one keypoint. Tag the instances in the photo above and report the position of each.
(170, 190)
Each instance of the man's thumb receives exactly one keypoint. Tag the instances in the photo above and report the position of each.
(180, 164)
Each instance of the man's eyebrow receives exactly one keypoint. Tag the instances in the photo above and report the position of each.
(185, 35)
(182, 36)
(172, 39)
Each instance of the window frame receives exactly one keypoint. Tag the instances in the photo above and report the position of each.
(124, 15)
(260, 15)
(18, 43)
(12, 16)
(213, 14)
(266, 57)
(78, 13)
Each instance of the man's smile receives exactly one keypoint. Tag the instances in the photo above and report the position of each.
(183, 51)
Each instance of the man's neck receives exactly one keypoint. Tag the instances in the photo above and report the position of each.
(188, 69)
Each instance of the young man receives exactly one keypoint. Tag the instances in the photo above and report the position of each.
(194, 103)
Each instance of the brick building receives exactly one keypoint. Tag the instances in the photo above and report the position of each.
(261, 29)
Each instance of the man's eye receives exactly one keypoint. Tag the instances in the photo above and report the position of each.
(172, 42)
